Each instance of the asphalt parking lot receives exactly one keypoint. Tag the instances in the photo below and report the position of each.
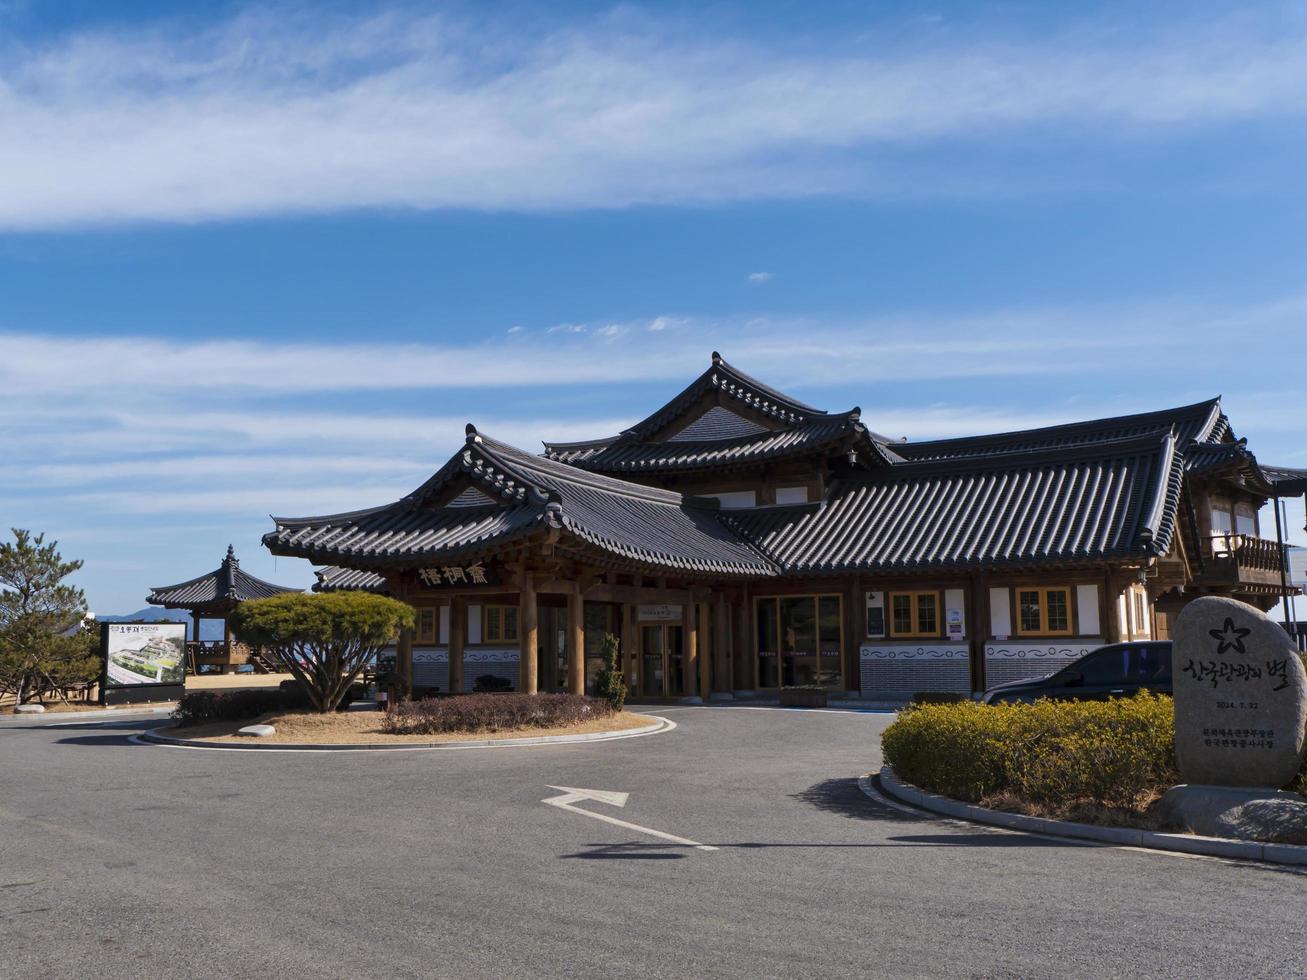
(120, 859)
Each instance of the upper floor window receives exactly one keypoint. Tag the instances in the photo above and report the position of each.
(1046, 612)
(737, 499)
(791, 495)
(1245, 519)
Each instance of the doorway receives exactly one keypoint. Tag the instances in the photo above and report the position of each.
(661, 660)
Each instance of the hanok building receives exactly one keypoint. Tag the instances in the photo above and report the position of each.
(738, 540)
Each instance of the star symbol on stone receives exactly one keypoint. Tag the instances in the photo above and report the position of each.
(1230, 637)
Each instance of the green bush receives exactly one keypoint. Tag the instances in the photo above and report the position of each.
(1056, 754)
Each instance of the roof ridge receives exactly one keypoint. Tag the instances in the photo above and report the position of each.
(1088, 450)
(1211, 404)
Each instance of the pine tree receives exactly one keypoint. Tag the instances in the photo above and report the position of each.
(43, 646)
(609, 683)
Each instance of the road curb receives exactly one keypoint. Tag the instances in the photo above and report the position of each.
(488, 743)
(70, 717)
(1294, 854)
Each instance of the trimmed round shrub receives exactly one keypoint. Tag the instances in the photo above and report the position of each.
(1055, 754)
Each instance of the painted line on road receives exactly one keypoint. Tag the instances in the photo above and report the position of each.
(543, 742)
(571, 796)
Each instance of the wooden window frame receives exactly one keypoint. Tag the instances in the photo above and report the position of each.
(1043, 591)
(427, 638)
(487, 634)
(917, 633)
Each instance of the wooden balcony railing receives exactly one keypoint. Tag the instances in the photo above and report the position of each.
(1242, 559)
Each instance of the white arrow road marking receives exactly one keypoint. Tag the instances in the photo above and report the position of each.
(571, 796)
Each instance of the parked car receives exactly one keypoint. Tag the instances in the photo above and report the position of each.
(1119, 670)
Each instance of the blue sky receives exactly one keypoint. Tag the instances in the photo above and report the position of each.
(270, 259)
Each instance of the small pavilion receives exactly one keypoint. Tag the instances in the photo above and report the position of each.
(215, 596)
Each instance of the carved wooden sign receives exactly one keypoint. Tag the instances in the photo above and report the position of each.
(458, 576)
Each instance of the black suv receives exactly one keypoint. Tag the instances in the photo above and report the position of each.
(1116, 671)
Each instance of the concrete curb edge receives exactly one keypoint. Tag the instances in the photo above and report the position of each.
(1295, 854)
(488, 743)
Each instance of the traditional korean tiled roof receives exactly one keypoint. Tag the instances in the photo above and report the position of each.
(1286, 481)
(1204, 458)
(333, 578)
(1203, 422)
(224, 586)
(1109, 500)
(825, 433)
(628, 522)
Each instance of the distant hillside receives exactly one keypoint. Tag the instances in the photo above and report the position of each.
(210, 629)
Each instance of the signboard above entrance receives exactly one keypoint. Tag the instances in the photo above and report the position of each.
(449, 576)
(660, 613)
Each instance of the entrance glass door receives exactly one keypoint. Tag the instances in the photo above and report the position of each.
(661, 660)
(652, 668)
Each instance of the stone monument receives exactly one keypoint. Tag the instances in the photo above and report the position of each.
(1240, 721)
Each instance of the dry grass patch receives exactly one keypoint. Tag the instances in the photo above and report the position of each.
(53, 706)
(355, 727)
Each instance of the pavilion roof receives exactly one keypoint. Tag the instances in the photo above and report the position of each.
(223, 588)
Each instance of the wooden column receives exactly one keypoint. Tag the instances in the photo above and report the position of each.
(854, 633)
(706, 653)
(195, 627)
(721, 646)
(1111, 609)
(630, 647)
(457, 636)
(977, 620)
(742, 679)
(690, 664)
(528, 635)
(404, 655)
(575, 642)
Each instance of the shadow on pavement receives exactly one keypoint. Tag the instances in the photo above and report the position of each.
(633, 851)
(843, 796)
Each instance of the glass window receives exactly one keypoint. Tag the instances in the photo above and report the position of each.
(830, 631)
(1044, 611)
(914, 613)
(927, 618)
(901, 604)
(1245, 519)
(1059, 619)
(1106, 667)
(426, 626)
(1028, 600)
(798, 641)
(500, 624)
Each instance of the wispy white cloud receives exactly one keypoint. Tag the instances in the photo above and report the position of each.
(760, 277)
(274, 112)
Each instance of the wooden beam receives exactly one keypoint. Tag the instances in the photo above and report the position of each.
(528, 635)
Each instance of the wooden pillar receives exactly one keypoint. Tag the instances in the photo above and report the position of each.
(195, 627)
(630, 647)
(706, 652)
(854, 633)
(1111, 609)
(743, 679)
(575, 641)
(457, 637)
(404, 655)
(977, 620)
(528, 635)
(690, 663)
(721, 647)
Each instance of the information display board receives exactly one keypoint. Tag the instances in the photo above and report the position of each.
(142, 662)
